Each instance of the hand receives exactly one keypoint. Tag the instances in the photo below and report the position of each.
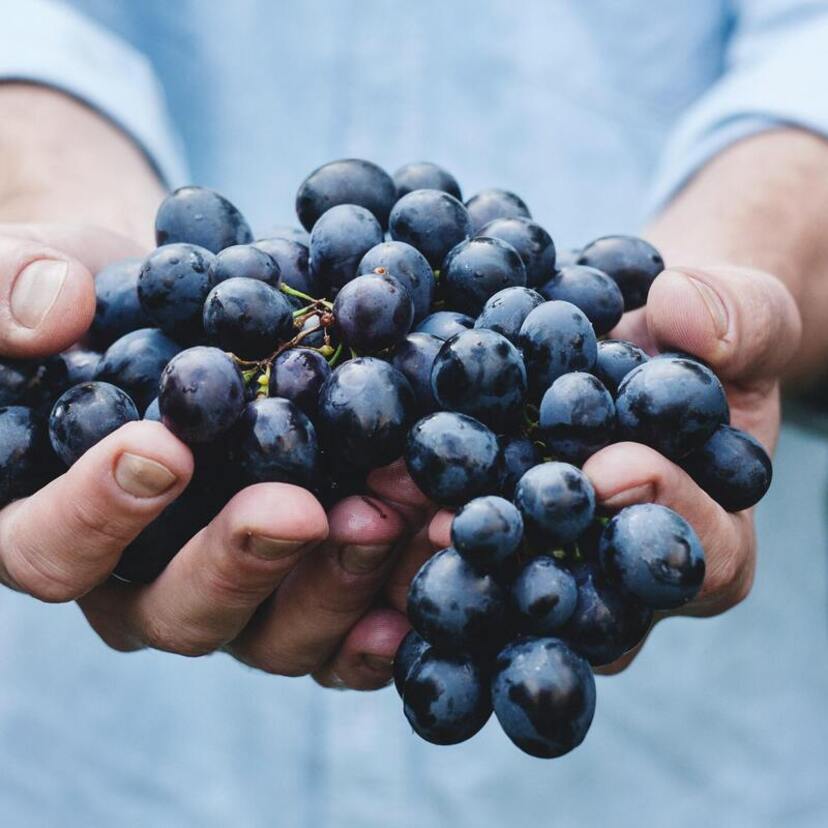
(219, 592)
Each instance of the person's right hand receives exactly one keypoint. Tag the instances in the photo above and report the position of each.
(220, 590)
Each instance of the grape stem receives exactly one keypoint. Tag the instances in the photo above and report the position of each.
(305, 297)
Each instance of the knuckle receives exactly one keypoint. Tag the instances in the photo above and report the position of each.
(277, 662)
(92, 518)
(178, 638)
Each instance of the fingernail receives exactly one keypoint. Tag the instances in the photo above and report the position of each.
(36, 289)
(360, 560)
(142, 477)
(637, 494)
(715, 306)
(272, 548)
(378, 663)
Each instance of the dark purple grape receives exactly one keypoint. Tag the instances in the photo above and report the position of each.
(198, 216)
(517, 455)
(293, 258)
(23, 453)
(445, 324)
(298, 375)
(487, 532)
(414, 359)
(476, 269)
(488, 205)
(506, 311)
(544, 596)
(533, 244)
(591, 290)
(201, 394)
(616, 358)
(312, 332)
(423, 175)
(411, 649)
(287, 232)
(566, 257)
(406, 264)
(15, 378)
(81, 364)
(245, 261)
(117, 307)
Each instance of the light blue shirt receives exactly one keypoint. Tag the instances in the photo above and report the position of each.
(594, 111)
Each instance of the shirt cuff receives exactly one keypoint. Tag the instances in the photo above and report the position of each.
(46, 42)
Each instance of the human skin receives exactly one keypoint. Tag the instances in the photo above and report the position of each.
(275, 581)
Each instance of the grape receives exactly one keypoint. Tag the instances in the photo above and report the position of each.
(517, 455)
(153, 411)
(339, 240)
(294, 265)
(80, 364)
(566, 257)
(55, 375)
(135, 362)
(286, 232)
(616, 358)
(246, 261)
(507, 309)
(632, 262)
(423, 175)
(487, 531)
(672, 404)
(201, 394)
(488, 205)
(298, 375)
(84, 415)
(172, 286)
(446, 698)
(454, 606)
(15, 377)
(373, 312)
(117, 307)
(556, 337)
(544, 596)
(655, 555)
(430, 220)
(414, 359)
(202, 217)
(273, 441)
(557, 502)
(350, 181)
(577, 417)
(732, 467)
(533, 244)
(22, 453)
(365, 408)
(445, 324)
(478, 268)
(247, 317)
(591, 290)
(411, 649)
(543, 696)
(452, 458)
(480, 373)
(409, 266)
(313, 331)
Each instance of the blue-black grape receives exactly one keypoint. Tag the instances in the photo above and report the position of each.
(135, 362)
(478, 268)
(423, 175)
(577, 417)
(631, 262)
(406, 264)
(117, 307)
(446, 698)
(491, 204)
(247, 261)
(293, 258)
(373, 312)
(81, 364)
(566, 257)
(507, 309)
(672, 404)
(430, 220)
(533, 244)
(298, 375)
(84, 415)
(22, 453)
(544, 595)
(287, 232)
(339, 240)
(557, 502)
(452, 458)
(349, 181)
(198, 216)
(454, 606)
(15, 377)
(543, 696)
(487, 531)
(732, 467)
(409, 652)
(654, 554)
(616, 358)
(591, 290)
(247, 317)
(414, 359)
(172, 286)
(517, 455)
(480, 373)
(556, 338)
(445, 324)
(201, 394)
(365, 408)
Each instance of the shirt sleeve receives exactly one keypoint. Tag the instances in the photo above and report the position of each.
(47, 42)
(775, 74)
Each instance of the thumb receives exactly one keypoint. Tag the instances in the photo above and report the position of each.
(744, 323)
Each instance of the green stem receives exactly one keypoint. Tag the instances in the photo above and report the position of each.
(297, 293)
(336, 355)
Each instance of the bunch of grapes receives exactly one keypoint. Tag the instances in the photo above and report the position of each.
(408, 323)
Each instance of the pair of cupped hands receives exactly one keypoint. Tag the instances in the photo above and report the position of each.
(273, 580)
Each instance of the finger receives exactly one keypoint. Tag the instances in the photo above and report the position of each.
(365, 661)
(394, 485)
(413, 555)
(62, 541)
(439, 530)
(627, 473)
(212, 587)
(327, 593)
